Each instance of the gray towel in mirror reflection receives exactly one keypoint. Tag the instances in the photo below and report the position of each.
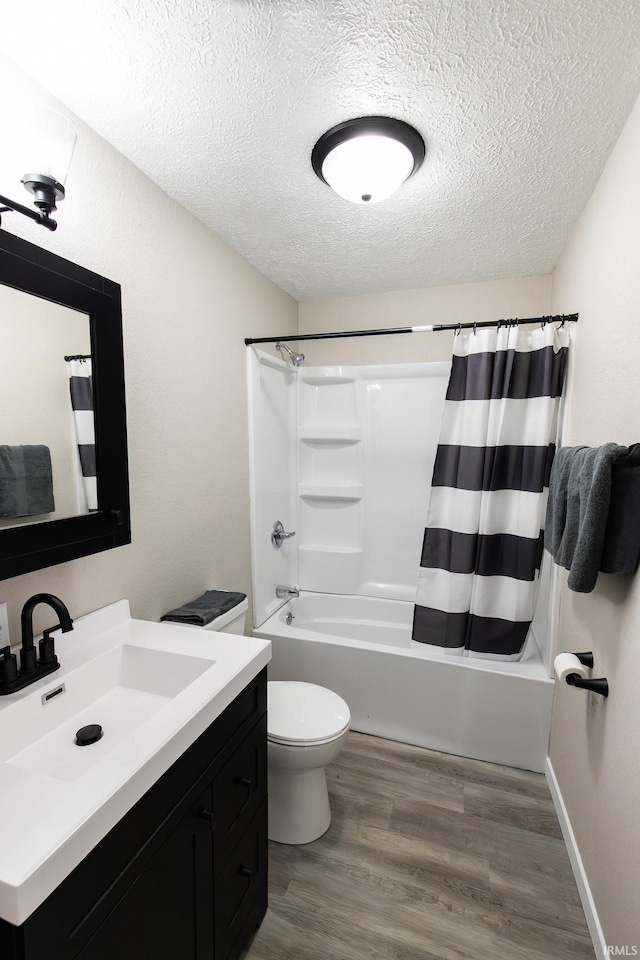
(26, 481)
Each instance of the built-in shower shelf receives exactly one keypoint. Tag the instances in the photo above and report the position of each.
(329, 380)
(335, 491)
(330, 434)
(324, 550)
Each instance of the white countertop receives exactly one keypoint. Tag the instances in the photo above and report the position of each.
(52, 820)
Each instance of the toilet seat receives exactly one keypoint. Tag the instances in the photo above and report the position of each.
(304, 714)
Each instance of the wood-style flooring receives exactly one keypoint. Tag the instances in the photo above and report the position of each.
(428, 857)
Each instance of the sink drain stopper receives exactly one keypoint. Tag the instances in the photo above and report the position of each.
(89, 734)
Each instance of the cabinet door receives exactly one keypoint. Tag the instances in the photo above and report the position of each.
(166, 913)
(239, 885)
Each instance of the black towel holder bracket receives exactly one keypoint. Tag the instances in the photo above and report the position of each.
(600, 685)
(586, 659)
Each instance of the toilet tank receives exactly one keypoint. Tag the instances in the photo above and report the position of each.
(232, 621)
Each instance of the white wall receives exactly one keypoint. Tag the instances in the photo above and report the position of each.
(595, 744)
(188, 302)
(464, 303)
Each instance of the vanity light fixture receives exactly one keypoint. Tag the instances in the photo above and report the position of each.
(43, 142)
(367, 159)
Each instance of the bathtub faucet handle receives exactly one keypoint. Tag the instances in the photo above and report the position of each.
(279, 534)
(286, 593)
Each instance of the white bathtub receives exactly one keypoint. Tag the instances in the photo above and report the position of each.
(361, 647)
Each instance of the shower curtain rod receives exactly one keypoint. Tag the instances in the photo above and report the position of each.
(78, 356)
(436, 328)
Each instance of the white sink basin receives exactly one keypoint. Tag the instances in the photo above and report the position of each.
(120, 690)
(153, 688)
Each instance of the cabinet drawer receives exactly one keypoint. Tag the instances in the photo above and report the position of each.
(245, 709)
(238, 791)
(238, 884)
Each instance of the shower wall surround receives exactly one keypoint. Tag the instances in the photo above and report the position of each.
(367, 440)
(272, 403)
(343, 456)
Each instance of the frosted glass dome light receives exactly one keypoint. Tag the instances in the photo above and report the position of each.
(367, 159)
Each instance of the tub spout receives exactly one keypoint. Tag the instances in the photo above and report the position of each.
(285, 593)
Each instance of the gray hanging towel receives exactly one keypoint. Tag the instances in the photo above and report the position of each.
(26, 481)
(578, 508)
(556, 517)
(204, 609)
(621, 550)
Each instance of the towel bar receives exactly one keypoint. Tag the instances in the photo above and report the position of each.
(585, 658)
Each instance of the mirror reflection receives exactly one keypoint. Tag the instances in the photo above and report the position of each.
(47, 450)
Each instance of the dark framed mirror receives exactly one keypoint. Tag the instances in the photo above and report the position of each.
(64, 482)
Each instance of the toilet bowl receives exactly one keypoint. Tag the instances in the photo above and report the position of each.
(307, 726)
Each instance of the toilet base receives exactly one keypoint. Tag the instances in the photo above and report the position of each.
(299, 810)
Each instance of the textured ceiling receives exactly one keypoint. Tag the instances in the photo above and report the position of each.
(221, 101)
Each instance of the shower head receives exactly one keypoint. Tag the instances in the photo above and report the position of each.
(296, 358)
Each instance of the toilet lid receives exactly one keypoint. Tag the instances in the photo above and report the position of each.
(304, 713)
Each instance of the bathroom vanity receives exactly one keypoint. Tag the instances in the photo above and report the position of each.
(182, 873)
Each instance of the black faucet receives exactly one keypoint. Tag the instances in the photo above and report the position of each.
(32, 669)
(47, 654)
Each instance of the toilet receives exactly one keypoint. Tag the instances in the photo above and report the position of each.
(307, 726)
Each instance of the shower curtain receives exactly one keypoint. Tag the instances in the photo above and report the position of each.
(483, 542)
(81, 390)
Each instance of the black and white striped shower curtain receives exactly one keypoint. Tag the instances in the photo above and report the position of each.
(81, 390)
(483, 543)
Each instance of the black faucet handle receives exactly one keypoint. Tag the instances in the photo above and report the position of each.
(28, 661)
(46, 647)
(8, 665)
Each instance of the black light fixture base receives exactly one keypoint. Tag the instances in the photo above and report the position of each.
(46, 192)
(45, 189)
(39, 216)
(368, 126)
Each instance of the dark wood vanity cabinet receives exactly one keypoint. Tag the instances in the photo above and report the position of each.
(183, 876)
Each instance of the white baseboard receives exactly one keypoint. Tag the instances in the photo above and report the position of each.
(582, 882)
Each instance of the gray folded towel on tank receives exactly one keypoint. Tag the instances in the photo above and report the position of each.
(204, 609)
(26, 481)
(578, 510)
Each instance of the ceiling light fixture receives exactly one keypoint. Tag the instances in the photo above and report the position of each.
(367, 159)
(42, 140)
